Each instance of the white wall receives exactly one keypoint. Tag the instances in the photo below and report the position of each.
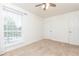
(59, 27)
(31, 28)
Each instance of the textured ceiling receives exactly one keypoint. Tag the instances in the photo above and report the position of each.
(51, 11)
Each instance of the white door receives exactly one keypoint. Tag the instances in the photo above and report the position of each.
(73, 31)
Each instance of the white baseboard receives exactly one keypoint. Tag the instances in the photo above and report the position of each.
(72, 43)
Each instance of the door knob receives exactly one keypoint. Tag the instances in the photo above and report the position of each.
(70, 31)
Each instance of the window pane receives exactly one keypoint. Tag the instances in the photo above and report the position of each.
(12, 26)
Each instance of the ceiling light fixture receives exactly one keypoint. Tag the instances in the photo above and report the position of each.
(45, 6)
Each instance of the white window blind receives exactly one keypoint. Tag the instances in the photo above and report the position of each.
(12, 26)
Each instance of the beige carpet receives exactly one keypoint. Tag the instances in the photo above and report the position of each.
(46, 48)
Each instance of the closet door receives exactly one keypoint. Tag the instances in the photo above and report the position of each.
(73, 33)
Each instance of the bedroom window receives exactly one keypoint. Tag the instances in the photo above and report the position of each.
(12, 26)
